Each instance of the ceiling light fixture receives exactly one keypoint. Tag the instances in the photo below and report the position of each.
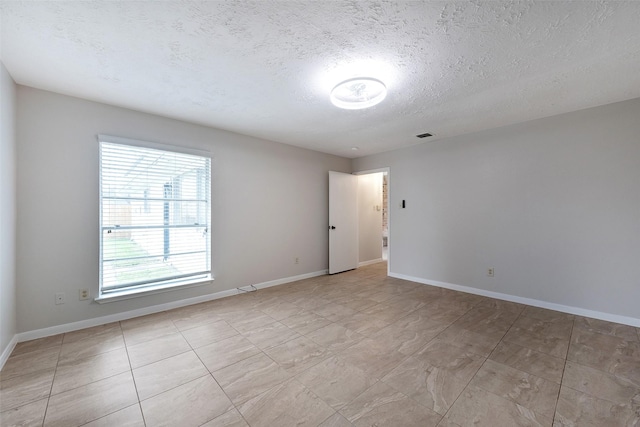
(358, 93)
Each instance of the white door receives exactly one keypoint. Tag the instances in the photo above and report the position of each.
(343, 222)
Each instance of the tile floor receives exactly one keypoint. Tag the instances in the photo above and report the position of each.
(354, 349)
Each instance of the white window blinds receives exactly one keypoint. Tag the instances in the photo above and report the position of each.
(155, 214)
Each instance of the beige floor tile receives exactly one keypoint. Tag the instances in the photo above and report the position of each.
(432, 387)
(38, 344)
(600, 384)
(486, 321)
(335, 337)
(28, 363)
(373, 357)
(626, 332)
(191, 404)
(108, 329)
(147, 320)
(357, 304)
(281, 310)
(445, 311)
(529, 391)
(298, 354)
(336, 420)
(230, 418)
(397, 348)
(500, 305)
(92, 401)
(577, 409)
(457, 360)
(192, 318)
(607, 353)
(364, 324)
(264, 300)
(308, 302)
(127, 417)
(18, 391)
(208, 333)
(462, 297)
(381, 405)
(377, 296)
(287, 404)
(386, 312)
(405, 304)
(157, 349)
(420, 320)
(380, 295)
(481, 408)
(530, 361)
(233, 304)
(147, 331)
(547, 315)
(554, 328)
(168, 373)
(474, 342)
(223, 353)
(29, 415)
(445, 422)
(76, 373)
(335, 381)
(91, 345)
(554, 346)
(271, 335)
(334, 312)
(250, 377)
(405, 341)
(305, 322)
(247, 321)
(427, 294)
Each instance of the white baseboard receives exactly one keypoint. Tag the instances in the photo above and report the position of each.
(372, 261)
(631, 321)
(291, 279)
(7, 351)
(96, 321)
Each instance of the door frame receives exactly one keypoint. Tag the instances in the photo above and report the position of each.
(388, 172)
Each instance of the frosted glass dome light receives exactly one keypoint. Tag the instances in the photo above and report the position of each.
(358, 93)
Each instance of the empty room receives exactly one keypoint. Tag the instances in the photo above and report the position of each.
(319, 213)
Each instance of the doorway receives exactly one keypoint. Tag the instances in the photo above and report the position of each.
(359, 218)
(373, 216)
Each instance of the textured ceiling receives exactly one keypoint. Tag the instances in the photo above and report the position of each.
(265, 68)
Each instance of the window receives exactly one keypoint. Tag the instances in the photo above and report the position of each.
(154, 217)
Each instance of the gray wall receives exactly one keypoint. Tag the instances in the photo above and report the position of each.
(552, 204)
(269, 205)
(7, 208)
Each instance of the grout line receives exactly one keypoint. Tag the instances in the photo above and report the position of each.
(564, 369)
(133, 377)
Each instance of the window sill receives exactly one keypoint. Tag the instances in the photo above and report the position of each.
(150, 290)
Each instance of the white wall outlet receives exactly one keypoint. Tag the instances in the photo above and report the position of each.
(296, 260)
(490, 272)
(83, 294)
(59, 298)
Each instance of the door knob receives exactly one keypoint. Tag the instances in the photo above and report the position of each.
(331, 227)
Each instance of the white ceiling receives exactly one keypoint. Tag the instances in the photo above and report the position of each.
(265, 68)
